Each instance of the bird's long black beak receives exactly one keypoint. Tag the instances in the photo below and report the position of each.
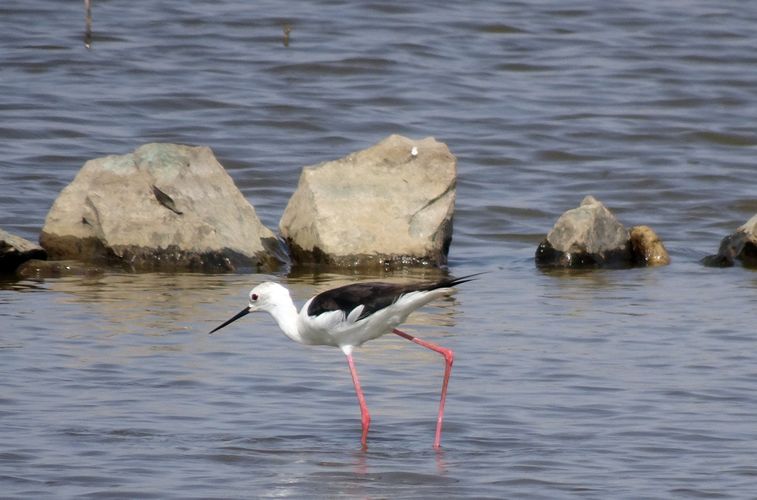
(240, 314)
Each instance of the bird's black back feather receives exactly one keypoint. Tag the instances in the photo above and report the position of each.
(374, 296)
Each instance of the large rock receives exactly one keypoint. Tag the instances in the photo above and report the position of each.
(163, 207)
(741, 246)
(591, 236)
(15, 250)
(387, 206)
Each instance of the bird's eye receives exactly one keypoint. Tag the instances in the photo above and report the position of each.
(254, 296)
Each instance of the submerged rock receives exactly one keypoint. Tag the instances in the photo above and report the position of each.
(15, 250)
(387, 206)
(741, 246)
(162, 207)
(591, 236)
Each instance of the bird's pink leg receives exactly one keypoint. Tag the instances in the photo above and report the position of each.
(449, 358)
(365, 416)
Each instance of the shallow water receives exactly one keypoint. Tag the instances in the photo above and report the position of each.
(599, 384)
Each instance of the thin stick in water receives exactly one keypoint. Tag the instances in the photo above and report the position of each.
(88, 23)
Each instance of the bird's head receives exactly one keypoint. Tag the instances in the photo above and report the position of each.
(264, 297)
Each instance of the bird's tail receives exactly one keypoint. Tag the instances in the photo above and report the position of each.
(450, 282)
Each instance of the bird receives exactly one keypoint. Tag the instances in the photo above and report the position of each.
(348, 316)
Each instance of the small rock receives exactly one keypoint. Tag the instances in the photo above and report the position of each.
(390, 205)
(15, 250)
(164, 207)
(587, 236)
(741, 246)
(647, 248)
(591, 236)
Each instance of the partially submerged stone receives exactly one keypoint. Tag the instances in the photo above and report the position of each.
(162, 207)
(647, 248)
(739, 246)
(15, 250)
(591, 236)
(390, 205)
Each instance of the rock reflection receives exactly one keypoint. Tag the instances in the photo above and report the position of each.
(157, 302)
(187, 301)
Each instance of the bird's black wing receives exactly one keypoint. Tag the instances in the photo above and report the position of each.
(373, 296)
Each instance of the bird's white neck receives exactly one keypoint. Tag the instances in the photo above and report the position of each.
(285, 315)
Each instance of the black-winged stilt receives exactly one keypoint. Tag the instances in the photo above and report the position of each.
(348, 316)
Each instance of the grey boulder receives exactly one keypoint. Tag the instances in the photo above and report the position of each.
(15, 250)
(591, 236)
(740, 245)
(162, 207)
(388, 206)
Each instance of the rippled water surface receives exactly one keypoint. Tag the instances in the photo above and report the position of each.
(603, 384)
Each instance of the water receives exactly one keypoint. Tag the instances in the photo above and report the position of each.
(621, 384)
